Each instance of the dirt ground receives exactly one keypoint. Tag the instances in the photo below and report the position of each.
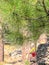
(14, 59)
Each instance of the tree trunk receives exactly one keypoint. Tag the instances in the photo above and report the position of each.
(1, 46)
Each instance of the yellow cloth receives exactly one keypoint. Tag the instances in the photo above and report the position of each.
(32, 50)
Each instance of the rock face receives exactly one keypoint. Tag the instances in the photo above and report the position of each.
(42, 39)
(43, 49)
(1, 46)
(43, 53)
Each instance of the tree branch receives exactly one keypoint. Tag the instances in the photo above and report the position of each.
(44, 6)
(28, 18)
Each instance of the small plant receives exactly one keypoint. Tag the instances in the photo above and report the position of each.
(27, 62)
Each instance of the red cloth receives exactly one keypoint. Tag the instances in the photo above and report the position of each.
(33, 54)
